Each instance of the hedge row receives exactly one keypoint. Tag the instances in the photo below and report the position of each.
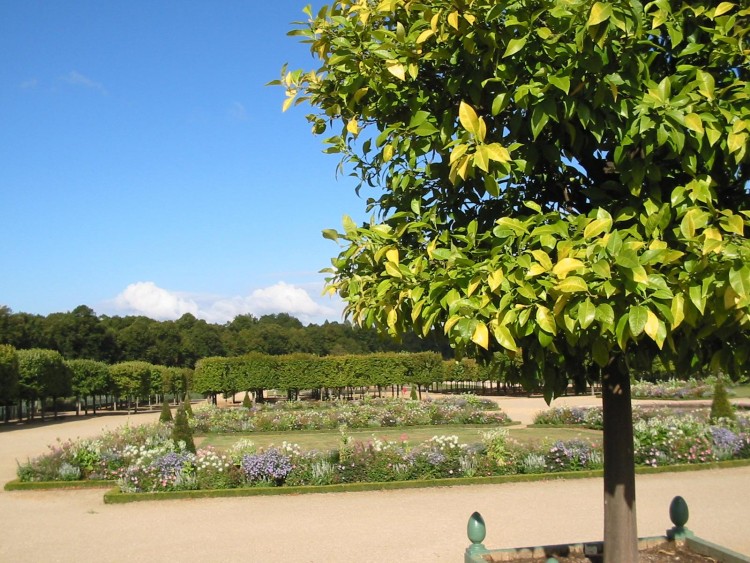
(303, 371)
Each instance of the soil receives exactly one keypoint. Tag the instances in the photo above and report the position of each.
(668, 554)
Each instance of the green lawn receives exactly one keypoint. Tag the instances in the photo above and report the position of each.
(741, 392)
(330, 439)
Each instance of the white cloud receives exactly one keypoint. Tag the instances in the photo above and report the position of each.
(146, 298)
(29, 84)
(77, 79)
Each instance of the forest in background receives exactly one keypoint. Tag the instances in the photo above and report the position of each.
(82, 334)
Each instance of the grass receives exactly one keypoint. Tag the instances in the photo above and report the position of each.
(331, 439)
(741, 392)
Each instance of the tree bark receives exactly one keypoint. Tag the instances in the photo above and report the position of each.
(620, 529)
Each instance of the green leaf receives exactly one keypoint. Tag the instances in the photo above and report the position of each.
(331, 234)
(637, 318)
(586, 314)
(392, 270)
(539, 119)
(560, 82)
(600, 352)
(627, 259)
(504, 337)
(605, 314)
(600, 12)
(545, 320)
(514, 45)
(739, 280)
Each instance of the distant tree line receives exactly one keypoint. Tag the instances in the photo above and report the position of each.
(81, 334)
(36, 378)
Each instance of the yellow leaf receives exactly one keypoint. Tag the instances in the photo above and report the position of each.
(387, 152)
(352, 126)
(535, 270)
(392, 255)
(543, 258)
(495, 279)
(424, 36)
(468, 118)
(678, 310)
(453, 20)
(567, 265)
(597, 227)
(545, 320)
(736, 141)
(287, 103)
(450, 323)
(397, 69)
(723, 8)
(652, 325)
(694, 122)
(600, 12)
(497, 152)
(473, 285)
(481, 336)
(572, 285)
(734, 224)
(392, 319)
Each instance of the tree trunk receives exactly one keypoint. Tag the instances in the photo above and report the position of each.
(620, 530)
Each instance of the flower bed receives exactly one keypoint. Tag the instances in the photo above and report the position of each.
(674, 389)
(369, 413)
(665, 437)
(145, 459)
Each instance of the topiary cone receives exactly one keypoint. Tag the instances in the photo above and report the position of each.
(182, 431)
(166, 412)
(720, 406)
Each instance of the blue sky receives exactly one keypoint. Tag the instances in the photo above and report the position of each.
(146, 168)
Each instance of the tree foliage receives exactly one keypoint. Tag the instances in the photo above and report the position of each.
(8, 373)
(562, 180)
(558, 179)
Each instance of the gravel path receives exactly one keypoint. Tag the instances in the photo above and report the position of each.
(381, 526)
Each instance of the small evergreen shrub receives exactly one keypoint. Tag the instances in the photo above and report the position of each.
(187, 406)
(182, 431)
(413, 395)
(246, 402)
(166, 413)
(720, 406)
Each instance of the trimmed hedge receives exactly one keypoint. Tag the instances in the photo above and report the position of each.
(18, 485)
(304, 371)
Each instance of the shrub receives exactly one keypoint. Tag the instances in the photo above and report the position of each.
(166, 413)
(181, 432)
(720, 406)
(187, 406)
(246, 402)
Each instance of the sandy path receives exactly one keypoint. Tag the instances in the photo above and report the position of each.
(406, 526)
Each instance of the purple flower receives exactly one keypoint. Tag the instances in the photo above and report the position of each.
(271, 465)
